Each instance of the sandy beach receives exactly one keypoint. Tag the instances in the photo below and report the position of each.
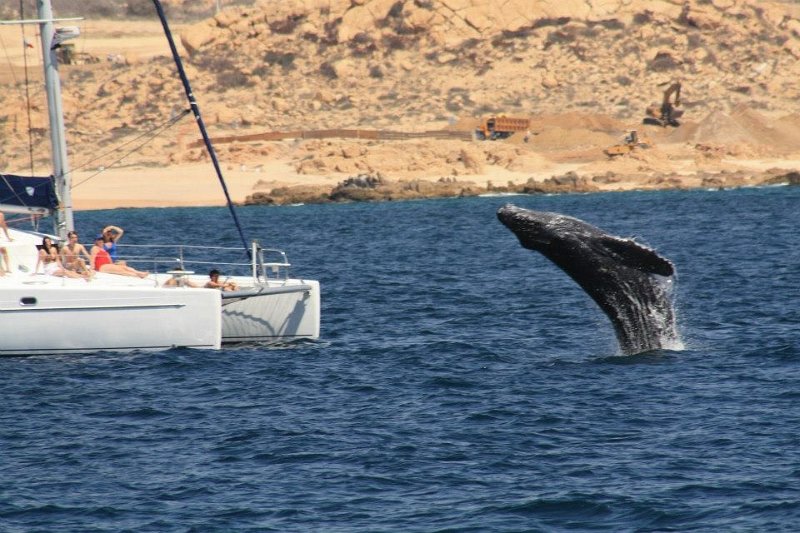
(197, 184)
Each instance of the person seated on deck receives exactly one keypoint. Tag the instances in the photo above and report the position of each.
(49, 259)
(215, 283)
(71, 255)
(111, 234)
(4, 226)
(179, 279)
(101, 260)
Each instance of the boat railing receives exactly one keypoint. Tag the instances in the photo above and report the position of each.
(263, 264)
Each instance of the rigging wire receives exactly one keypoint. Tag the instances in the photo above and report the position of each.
(148, 135)
(11, 69)
(21, 218)
(34, 218)
(200, 123)
(8, 59)
(10, 188)
(27, 83)
(27, 95)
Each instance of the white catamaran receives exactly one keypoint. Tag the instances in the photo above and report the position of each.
(45, 314)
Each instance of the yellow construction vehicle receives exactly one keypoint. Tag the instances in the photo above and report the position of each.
(666, 114)
(631, 142)
(494, 128)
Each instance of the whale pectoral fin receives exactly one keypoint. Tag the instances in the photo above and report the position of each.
(634, 255)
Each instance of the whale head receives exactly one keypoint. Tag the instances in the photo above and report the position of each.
(559, 236)
(540, 230)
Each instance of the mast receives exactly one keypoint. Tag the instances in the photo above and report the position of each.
(199, 119)
(63, 218)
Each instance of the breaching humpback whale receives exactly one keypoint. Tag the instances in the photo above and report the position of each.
(629, 282)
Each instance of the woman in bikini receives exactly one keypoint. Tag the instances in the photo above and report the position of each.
(49, 259)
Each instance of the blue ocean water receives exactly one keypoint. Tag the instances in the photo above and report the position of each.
(462, 383)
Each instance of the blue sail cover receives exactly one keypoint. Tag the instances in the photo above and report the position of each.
(27, 194)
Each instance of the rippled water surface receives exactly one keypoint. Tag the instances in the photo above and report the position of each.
(462, 383)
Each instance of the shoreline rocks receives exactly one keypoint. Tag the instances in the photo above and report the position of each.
(367, 188)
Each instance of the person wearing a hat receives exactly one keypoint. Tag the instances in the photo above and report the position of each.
(102, 262)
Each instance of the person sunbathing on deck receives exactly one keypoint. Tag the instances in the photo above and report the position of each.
(102, 262)
(179, 279)
(111, 234)
(49, 259)
(71, 255)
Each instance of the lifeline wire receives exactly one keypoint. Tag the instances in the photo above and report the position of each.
(27, 83)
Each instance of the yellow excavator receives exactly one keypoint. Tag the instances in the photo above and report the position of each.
(666, 114)
(631, 142)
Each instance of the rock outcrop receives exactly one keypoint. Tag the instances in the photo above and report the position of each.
(365, 188)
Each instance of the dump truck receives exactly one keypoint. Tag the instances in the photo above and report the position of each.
(494, 128)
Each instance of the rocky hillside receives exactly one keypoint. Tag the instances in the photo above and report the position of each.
(118, 9)
(381, 62)
(422, 64)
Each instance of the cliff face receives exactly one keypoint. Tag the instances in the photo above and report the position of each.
(423, 64)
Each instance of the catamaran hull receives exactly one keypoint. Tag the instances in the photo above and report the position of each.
(280, 313)
(52, 320)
